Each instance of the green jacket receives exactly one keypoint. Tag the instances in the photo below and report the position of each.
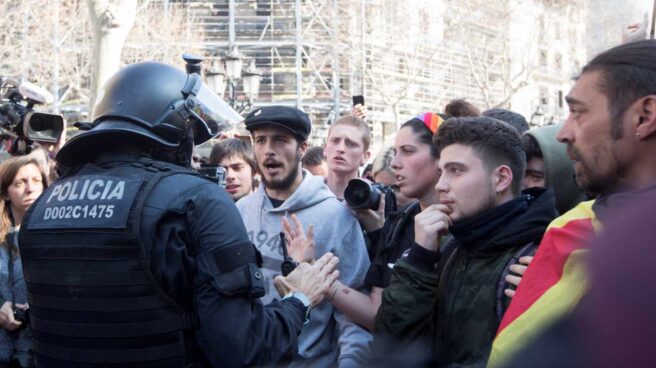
(453, 313)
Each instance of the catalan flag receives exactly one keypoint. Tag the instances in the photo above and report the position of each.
(553, 284)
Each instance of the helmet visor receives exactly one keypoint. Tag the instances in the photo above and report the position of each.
(215, 116)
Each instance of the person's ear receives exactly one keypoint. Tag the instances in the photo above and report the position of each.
(503, 178)
(302, 148)
(646, 122)
(365, 157)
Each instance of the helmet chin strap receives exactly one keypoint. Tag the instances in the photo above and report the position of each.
(180, 155)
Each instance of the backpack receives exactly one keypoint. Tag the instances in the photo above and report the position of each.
(502, 301)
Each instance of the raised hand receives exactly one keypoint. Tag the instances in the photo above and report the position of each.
(359, 111)
(300, 246)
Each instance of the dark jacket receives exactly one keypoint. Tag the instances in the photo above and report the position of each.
(396, 237)
(193, 258)
(452, 314)
(12, 289)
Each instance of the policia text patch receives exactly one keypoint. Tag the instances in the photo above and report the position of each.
(88, 201)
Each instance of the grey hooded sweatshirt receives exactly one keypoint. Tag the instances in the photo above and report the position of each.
(558, 167)
(330, 338)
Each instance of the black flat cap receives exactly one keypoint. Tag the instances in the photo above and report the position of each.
(290, 118)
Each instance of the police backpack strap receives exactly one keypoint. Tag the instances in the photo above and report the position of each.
(502, 284)
(400, 223)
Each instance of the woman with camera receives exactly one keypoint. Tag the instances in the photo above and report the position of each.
(22, 180)
(415, 164)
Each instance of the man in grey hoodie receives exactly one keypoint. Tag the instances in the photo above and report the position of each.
(280, 140)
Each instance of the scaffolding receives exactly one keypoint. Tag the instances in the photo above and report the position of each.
(295, 46)
(403, 57)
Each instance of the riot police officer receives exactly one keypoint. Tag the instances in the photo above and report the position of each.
(131, 259)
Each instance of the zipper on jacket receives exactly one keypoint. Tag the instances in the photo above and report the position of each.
(447, 328)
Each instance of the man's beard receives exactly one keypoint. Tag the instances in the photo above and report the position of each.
(593, 182)
(285, 182)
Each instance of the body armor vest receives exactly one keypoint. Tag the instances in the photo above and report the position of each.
(94, 301)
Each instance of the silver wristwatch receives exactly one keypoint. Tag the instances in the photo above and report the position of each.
(303, 299)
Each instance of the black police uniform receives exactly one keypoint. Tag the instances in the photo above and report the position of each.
(119, 256)
(133, 262)
(147, 246)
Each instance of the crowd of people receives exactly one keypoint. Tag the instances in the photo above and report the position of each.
(481, 242)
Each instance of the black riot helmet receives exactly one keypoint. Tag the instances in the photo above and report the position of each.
(157, 105)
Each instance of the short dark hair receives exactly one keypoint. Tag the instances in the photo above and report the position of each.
(460, 108)
(233, 147)
(313, 156)
(496, 143)
(422, 133)
(515, 120)
(628, 72)
(355, 122)
(531, 147)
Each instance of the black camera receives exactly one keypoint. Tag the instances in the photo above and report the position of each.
(20, 122)
(22, 315)
(215, 172)
(360, 194)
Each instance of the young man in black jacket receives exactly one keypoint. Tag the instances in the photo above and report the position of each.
(455, 312)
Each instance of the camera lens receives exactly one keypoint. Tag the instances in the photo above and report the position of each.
(360, 194)
(359, 197)
(42, 127)
(38, 123)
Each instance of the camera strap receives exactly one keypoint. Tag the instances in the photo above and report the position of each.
(12, 240)
(405, 216)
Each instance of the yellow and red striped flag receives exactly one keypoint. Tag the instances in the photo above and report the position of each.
(552, 285)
